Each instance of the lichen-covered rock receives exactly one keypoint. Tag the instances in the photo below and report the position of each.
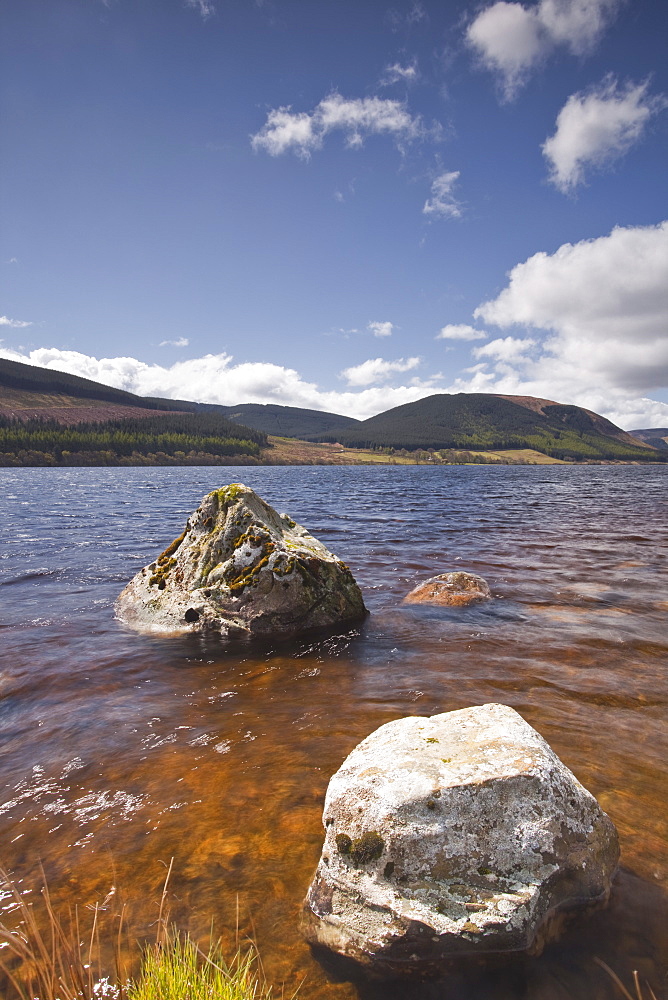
(239, 568)
(456, 588)
(462, 834)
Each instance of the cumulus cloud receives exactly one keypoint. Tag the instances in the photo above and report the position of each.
(460, 331)
(381, 329)
(377, 370)
(15, 323)
(505, 349)
(443, 203)
(596, 127)
(601, 306)
(180, 342)
(215, 378)
(304, 132)
(396, 73)
(511, 39)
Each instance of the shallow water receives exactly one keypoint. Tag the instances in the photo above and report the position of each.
(121, 751)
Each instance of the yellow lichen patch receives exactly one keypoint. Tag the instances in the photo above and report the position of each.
(250, 574)
(162, 572)
(171, 549)
(227, 494)
(254, 538)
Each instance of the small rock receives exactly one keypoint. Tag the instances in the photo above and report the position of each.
(462, 834)
(241, 569)
(456, 588)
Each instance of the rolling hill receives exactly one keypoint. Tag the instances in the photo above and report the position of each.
(28, 391)
(50, 412)
(289, 421)
(657, 437)
(483, 422)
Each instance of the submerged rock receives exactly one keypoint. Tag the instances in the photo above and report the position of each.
(462, 834)
(456, 588)
(239, 568)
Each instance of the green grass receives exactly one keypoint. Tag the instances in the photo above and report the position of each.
(177, 969)
(50, 954)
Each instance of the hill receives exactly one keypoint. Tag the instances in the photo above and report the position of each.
(483, 421)
(73, 420)
(29, 387)
(656, 437)
(27, 391)
(289, 421)
(51, 418)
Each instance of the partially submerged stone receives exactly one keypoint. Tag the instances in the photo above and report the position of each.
(462, 834)
(239, 568)
(456, 588)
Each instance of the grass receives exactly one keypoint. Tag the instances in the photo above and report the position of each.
(49, 954)
(523, 455)
(638, 995)
(177, 969)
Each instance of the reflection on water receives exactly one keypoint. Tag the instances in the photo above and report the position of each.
(121, 751)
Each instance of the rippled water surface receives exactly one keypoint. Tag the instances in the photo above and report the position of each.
(121, 751)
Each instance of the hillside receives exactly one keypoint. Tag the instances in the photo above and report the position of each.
(482, 421)
(27, 391)
(36, 388)
(51, 418)
(289, 421)
(656, 437)
(73, 420)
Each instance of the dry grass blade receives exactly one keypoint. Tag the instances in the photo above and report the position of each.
(615, 978)
(48, 955)
(55, 962)
(162, 920)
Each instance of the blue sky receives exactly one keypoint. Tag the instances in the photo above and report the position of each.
(341, 205)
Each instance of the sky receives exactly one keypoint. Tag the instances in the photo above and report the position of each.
(344, 205)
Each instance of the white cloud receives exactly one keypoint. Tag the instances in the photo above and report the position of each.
(205, 8)
(460, 331)
(602, 306)
(396, 73)
(377, 370)
(15, 323)
(180, 342)
(442, 202)
(511, 39)
(284, 130)
(597, 126)
(214, 378)
(304, 132)
(381, 329)
(597, 316)
(505, 349)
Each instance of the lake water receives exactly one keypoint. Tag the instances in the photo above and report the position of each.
(121, 751)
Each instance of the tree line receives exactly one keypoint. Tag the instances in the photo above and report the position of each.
(161, 440)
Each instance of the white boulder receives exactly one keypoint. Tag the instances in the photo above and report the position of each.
(239, 568)
(459, 834)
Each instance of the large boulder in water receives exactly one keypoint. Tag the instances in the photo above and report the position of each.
(462, 834)
(239, 568)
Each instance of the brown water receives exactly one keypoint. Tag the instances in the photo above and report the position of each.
(120, 751)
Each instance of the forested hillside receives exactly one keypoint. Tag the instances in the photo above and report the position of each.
(180, 439)
(481, 421)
